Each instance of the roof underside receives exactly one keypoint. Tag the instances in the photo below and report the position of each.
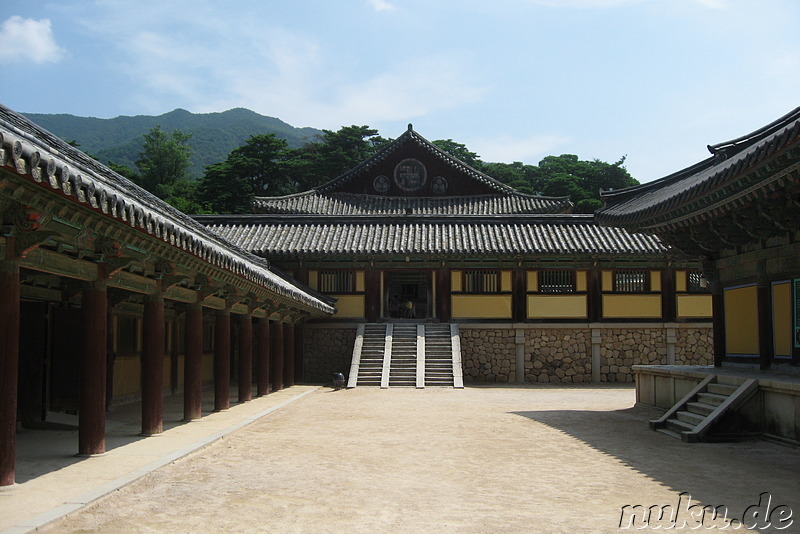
(463, 236)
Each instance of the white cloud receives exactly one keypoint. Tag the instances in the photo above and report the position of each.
(590, 4)
(509, 149)
(381, 5)
(23, 40)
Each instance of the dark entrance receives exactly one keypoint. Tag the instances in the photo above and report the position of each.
(407, 295)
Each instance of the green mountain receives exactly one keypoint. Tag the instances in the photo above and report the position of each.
(214, 135)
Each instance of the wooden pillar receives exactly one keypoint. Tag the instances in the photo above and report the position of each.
(668, 297)
(594, 295)
(288, 355)
(299, 345)
(718, 324)
(263, 357)
(372, 295)
(766, 347)
(153, 365)
(193, 363)
(443, 294)
(245, 375)
(222, 360)
(520, 295)
(92, 411)
(276, 355)
(9, 367)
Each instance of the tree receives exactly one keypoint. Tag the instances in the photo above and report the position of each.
(459, 151)
(163, 161)
(255, 168)
(332, 154)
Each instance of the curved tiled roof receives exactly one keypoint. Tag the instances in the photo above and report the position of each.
(315, 202)
(71, 173)
(455, 236)
(712, 182)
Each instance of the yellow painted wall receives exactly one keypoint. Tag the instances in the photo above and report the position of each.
(208, 367)
(608, 280)
(533, 280)
(127, 376)
(313, 279)
(481, 306)
(741, 320)
(580, 281)
(782, 318)
(557, 306)
(360, 281)
(349, 306)
(631, 306)
(694, 306)
(455, 281)
(655, 280)
(681, 282)
(506, 283)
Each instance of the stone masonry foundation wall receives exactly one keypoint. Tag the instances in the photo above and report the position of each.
(327, 351)
(564, 355)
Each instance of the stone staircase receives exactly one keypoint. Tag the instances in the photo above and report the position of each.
(438, 355)
(406, 355)
(691, 419)
(403, 368)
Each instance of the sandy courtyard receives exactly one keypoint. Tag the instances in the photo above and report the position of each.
(482, 459)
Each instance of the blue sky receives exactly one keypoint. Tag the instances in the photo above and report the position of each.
(514, 80)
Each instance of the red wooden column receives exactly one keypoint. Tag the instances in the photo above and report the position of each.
(520, 295)
(276, 355)
(668, 298)
(222, 361)
(718, 313)
(9, 366)
(153, 365)
(245, 378)
(443, 294)
(193, 363)
(299, 345)
(288, 355)
(263, 357)
(766, 347)
(92, 414)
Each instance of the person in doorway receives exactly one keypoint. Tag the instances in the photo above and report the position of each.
(410, 309)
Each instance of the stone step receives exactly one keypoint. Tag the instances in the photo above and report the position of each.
(721, 389)
(679, 426)
(713, 399)
(669, 432)
(689, 417)
(700, 408)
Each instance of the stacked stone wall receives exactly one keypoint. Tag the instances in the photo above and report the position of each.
(694, 346)
(564, 355)
(327, 351)
(622, 348)
(488, 355)
(558, 356)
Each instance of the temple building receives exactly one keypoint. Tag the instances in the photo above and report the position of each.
(739, 210)
(107, 294)
(414, 244)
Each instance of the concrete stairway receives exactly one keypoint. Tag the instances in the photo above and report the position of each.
(403, 368)
(692, 418)
(368, 354)
(406, 355)
(438, 355)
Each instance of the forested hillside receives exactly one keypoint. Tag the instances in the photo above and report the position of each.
(213, 135)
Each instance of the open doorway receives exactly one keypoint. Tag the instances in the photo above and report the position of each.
(407, 296)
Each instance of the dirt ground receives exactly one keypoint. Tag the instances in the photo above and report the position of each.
(482, 459)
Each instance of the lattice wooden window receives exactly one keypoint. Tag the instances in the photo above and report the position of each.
(557, 281)
(630, 281)
(481, 282)
(336, 281)
(695, 283)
